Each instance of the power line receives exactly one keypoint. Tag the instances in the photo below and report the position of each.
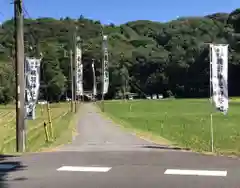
(10, 30)
(35, 41)
(25, 10)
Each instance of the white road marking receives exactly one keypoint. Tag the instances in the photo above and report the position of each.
(195, 172)
(84, 169)
(7, 166)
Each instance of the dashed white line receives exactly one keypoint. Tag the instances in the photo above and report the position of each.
(195, 172)
(84, 169)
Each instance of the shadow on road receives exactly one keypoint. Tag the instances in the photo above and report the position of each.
(166, 148)
(9, 163)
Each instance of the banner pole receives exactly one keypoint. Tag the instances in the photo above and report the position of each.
(218, 71)
(211, 99)
(212, 144)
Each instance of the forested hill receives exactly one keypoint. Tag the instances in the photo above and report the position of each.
(146, 57)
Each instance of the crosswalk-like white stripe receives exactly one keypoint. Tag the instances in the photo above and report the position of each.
(84, 169)
(195, 172)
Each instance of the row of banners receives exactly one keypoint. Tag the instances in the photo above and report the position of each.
(79, 70)
(219, 76)
(32, 79)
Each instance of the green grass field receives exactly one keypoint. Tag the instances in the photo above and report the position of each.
(62, 120)
(185, 123)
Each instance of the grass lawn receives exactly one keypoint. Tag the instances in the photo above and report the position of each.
(183, 122)
(62, 119)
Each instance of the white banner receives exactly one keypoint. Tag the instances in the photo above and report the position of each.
(94, 81)
(79, 72)
(105, 66)
(32, 81)
(219, 76)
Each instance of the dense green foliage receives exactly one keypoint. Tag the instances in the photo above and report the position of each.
(145, 57)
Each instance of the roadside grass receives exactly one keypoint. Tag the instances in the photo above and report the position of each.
(183, 122)
(62, 121)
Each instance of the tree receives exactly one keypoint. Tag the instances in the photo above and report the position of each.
(53, 77)
(144, 57)
(7, 91)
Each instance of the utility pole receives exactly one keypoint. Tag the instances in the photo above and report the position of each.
(124, 76)
(71, 75)
(72, 54)
(102, 84)
(74, 67)
(19, 73)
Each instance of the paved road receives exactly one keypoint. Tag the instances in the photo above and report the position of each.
(98, 133)
(103, 156)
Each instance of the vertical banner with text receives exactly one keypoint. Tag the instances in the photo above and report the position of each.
(79, 72)
(105, 65)
(219, 76)
(94, 81)
(32, 81)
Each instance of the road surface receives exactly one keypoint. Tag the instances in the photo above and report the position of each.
(104, 156)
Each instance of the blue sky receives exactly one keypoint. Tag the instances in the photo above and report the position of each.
(120, 11)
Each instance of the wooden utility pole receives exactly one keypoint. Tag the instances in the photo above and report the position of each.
(74, 68)
(72, 54)
(72, 80)
(102, 76)
(19, 70)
